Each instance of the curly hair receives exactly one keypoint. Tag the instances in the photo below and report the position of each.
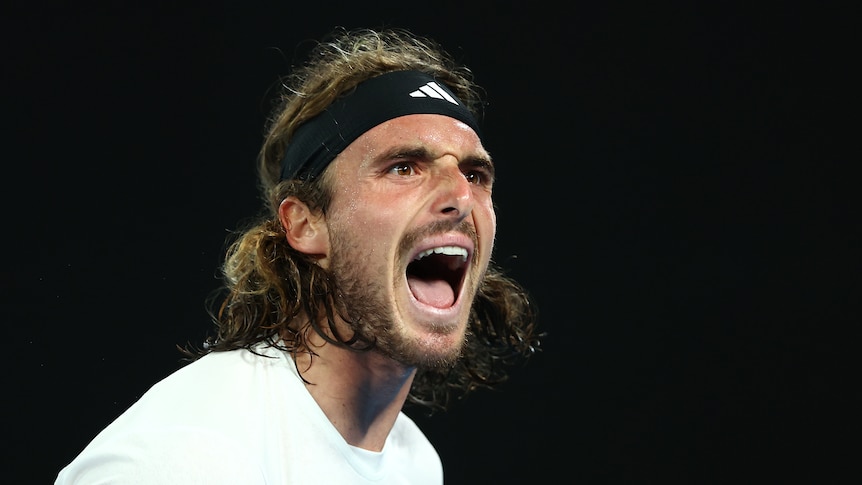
(274, 293)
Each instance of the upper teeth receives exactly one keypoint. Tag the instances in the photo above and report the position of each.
(447, 250)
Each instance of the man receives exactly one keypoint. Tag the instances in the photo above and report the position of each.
(368, 286)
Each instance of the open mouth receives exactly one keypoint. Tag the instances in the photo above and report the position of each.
(435, 275)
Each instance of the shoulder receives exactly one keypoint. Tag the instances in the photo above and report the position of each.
(164, 456)
(191, 424)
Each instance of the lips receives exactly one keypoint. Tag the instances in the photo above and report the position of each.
(435, 275)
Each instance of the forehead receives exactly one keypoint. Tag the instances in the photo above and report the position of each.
(439, 134)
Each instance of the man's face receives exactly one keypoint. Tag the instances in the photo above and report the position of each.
(412, 227)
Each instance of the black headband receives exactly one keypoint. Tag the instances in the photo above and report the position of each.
(319, 140)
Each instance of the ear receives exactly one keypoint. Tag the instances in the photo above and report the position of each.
(306, 232)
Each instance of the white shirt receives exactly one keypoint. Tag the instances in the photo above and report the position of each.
(238, 418)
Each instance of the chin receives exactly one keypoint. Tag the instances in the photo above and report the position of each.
(435, 349)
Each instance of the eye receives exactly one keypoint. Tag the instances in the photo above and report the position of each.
(479, 171)
(474, 177)
(478, 177)
(402, 169)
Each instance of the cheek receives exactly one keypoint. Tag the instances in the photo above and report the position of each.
(490, 214)
(357, 202)
(365, 220)
(486, 225)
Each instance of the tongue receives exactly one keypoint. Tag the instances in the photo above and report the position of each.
(436, 293)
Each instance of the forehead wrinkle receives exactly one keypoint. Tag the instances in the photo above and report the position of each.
(422, 152)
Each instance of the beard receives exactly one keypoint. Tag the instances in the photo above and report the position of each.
(366, 304)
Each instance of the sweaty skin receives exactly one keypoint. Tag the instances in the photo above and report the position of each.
(410, 184)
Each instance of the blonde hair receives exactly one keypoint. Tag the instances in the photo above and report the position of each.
(268, 285)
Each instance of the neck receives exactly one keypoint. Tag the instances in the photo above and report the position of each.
(360, 392)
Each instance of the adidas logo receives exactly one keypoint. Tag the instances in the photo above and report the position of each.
(433, 90)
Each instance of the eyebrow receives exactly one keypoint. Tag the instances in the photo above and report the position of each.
(423, 153)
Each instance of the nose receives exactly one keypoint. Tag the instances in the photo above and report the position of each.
(454, 193)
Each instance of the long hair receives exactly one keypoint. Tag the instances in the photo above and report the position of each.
(274, 293)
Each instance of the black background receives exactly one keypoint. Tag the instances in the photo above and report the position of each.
(673, 187)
